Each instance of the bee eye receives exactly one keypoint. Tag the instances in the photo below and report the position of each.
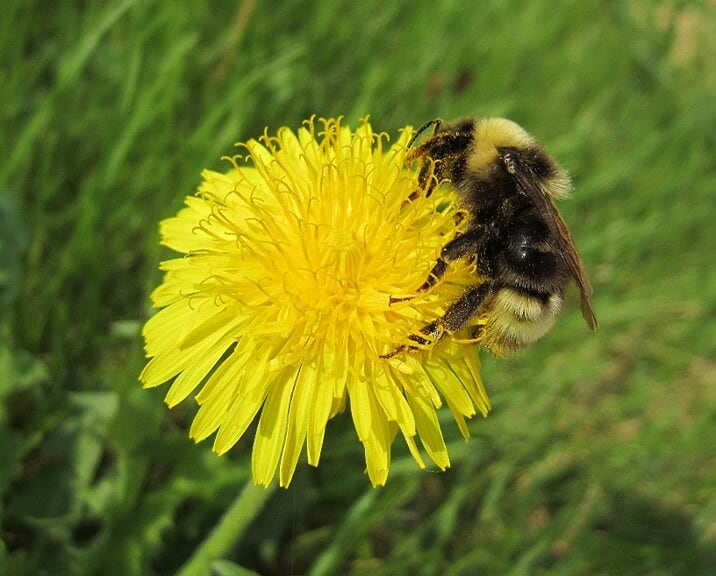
(509, 159)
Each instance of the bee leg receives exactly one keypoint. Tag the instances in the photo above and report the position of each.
(466, 307)
(457, 315)
(458, 247)
(432, 330)
(427, 185)
(395, 352)
(411, 197)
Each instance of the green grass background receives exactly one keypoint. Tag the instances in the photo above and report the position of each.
(599, 456)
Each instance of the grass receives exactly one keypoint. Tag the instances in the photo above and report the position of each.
(598, 456)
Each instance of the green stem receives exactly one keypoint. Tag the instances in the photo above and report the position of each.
(228, 531)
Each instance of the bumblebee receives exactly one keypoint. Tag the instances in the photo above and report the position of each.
(523, 252)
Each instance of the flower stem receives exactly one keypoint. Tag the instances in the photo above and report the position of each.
(228, 531)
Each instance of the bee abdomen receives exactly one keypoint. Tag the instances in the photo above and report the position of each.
(519, 318)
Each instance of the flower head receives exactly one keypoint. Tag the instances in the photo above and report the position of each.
(280, 308)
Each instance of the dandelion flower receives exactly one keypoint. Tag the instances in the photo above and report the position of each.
(279, 310)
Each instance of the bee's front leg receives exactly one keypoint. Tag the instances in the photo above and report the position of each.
(462, 245)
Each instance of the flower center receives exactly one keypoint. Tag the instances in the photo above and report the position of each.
(340, 240)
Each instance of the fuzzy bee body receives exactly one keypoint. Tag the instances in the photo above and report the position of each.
(524, 254)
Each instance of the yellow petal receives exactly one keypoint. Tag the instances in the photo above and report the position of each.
(302, 404)
(271, 432)
(431, 437)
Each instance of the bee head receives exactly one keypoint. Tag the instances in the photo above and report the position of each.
(502, 144)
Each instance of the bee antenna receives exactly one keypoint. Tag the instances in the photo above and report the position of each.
(423, 128)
